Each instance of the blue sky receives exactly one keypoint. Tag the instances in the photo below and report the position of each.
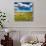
(23, 6)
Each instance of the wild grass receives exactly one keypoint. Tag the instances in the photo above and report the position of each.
(23, 16)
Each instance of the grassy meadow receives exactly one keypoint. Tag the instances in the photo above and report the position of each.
(23, 16)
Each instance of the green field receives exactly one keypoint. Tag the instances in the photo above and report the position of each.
(23, 16)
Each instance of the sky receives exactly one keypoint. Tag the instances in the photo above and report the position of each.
(23, 6)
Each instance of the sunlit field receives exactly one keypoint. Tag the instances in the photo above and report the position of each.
(23, 16)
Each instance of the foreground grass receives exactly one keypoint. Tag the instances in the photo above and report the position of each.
(23, 16)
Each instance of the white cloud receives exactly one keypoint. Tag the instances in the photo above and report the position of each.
(30, 4)
(20, 4)
(25, 5)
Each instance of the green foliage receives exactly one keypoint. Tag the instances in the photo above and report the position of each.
(2, 18)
